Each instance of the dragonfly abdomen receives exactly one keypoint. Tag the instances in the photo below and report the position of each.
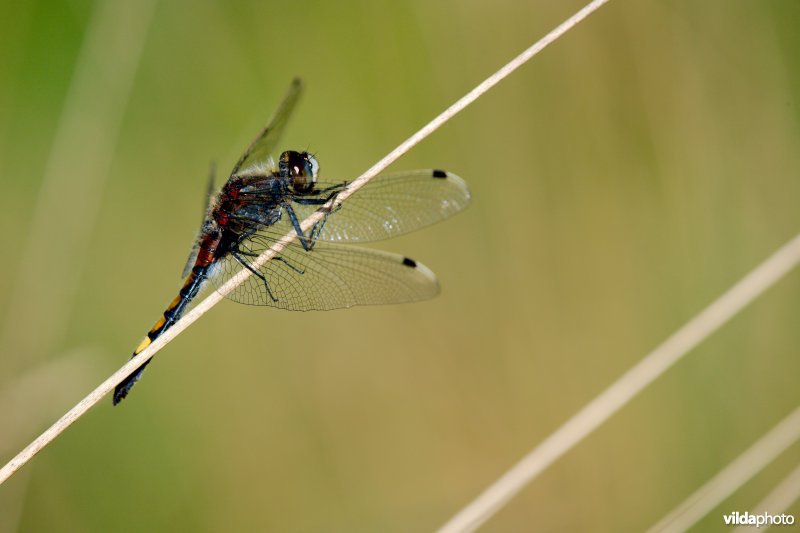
(172, 314)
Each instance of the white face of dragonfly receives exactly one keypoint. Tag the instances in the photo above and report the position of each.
(302, 168)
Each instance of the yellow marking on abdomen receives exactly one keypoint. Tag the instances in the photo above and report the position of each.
(174, 303)
(158, 325)
(142, 345)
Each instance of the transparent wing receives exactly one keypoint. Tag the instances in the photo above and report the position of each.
(388, 206)
(267, 139)
(330, 276)
(210, 195)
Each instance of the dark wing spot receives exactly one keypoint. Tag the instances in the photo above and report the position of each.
(439, 174)
(407, 261)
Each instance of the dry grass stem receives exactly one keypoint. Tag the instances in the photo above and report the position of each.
(733, 476)
(201, 308)
(611, 400)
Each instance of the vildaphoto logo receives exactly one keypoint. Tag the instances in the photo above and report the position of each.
(764, 519)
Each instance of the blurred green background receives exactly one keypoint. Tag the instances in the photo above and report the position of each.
(621, 181)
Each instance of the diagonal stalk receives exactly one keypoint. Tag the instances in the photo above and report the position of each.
(201, 308)
(625, 389)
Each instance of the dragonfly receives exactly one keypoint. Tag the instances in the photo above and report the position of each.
(263, 200)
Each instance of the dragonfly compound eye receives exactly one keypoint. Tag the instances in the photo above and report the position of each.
(312, 166)
(301, 168)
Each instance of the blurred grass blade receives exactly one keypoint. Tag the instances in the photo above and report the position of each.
(36, 395)
(13, 503)
(75, 173)
(27, 403)
(733, 476)
(617, 395)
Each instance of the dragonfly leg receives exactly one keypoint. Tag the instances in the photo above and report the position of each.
(331, 192)
(256, 273)
(288, 264)
(334, 188)
(317, 229)
(309, 240)
(279, 258)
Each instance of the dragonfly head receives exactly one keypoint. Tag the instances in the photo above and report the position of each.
(301, 168)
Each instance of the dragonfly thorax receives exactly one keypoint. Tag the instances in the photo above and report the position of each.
(301, 168)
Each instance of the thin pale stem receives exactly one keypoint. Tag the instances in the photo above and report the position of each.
(201, 308)
(733, 476)
(622, 391)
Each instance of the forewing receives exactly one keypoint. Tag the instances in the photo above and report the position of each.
(393, 204)
(265, 142)
(187, 267)
(330, 276)
(209, 200)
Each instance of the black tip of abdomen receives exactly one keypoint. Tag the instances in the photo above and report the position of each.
(122, 390)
